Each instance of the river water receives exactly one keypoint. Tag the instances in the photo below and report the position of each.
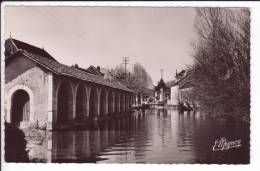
(153, 136)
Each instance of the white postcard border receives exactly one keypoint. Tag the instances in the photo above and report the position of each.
(255, 92)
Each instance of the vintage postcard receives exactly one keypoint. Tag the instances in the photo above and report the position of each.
(126, 84)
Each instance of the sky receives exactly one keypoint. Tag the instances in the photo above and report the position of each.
(157, 38)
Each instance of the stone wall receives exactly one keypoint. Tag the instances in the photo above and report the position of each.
(22, 73)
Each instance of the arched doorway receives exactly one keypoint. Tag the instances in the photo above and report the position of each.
(93, 102)
(80, 102)
(20, 110)
(103, 102)
(65, 102)
(110, 102)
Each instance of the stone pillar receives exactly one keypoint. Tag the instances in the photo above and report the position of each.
(50, 102)
(56, 85)
(107, 103)
(136, 99)
(88, 89)
(98, 100)
(119, 102)
(126, 102)
(123, 103)
(113, 102)
(131, 101)
(85, 98)
(74, 94)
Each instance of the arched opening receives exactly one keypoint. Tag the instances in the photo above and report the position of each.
(110, 102)
(103, 102)
(20, 110)
(122, 103)
(81, 103)
(93, 102)
(65, 102)
(116, 103)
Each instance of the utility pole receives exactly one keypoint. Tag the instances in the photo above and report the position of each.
(125, 62)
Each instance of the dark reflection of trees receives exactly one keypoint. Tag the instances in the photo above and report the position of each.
(81, 144)
(164, 125)
(209, 132)
(122, 136)
(118, 136)
(140, 140)
(201, 135)
(15, 144)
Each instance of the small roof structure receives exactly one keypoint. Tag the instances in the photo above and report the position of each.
(161, 84)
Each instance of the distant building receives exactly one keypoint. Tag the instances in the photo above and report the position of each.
(143, 96)
(162, 92)
(173, 100)
(181, 88)
(185, 87)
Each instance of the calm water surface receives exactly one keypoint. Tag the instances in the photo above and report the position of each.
(154, 136)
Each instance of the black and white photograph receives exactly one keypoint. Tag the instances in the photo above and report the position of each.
(126, 84)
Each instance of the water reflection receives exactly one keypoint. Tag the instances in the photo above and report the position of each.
(151, 136)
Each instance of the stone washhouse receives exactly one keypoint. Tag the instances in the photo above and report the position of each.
(40, 89)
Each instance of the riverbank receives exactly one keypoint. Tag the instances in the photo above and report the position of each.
(27, 144)
(36, 147)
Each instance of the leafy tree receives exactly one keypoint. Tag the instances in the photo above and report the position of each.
(137, 79)
(221, 67)
(115, 74)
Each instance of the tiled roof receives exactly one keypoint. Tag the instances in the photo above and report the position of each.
(148, 91)
(186, 81)
(30, 48)
(171, 83)
(61, 69)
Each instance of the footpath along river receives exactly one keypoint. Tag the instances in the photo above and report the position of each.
(154, 136)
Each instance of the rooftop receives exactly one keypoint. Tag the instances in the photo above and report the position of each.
(44, 59)
(171, 83)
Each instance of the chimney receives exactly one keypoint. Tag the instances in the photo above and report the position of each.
(98, 68)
